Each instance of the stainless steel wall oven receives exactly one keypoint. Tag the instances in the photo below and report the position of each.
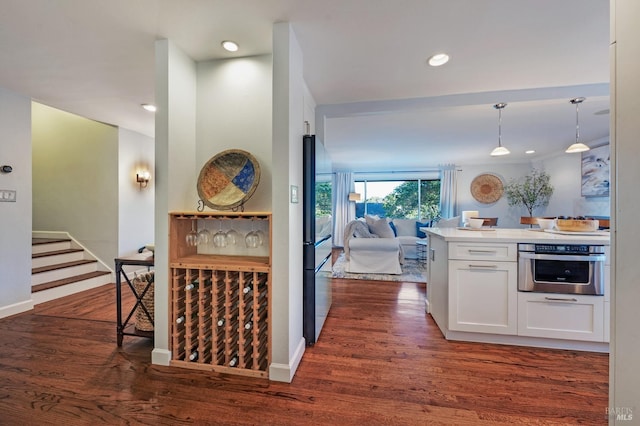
(561, 268)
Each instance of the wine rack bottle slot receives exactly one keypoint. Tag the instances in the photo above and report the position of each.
(220, 303)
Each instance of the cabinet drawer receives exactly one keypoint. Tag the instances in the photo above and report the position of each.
(561, 316)
(479, 251)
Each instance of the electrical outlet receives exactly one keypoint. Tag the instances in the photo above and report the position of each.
(7, 195)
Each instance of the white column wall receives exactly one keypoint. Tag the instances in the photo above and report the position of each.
(288, 105)
(175, 172)
(624, 376)
(15, 217)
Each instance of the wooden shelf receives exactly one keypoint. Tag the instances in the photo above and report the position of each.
(223, 262)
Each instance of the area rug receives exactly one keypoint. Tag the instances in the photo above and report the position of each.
(412, 271)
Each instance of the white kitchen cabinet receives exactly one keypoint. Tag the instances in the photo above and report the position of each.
(483, 296)
(437, 293)
(561, 316)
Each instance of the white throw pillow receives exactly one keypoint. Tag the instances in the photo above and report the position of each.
(448, 223)
(381, 228)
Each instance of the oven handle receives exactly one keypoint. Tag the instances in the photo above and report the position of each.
(569, 258)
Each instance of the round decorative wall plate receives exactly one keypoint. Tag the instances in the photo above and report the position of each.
(487, 188)
(228, 179)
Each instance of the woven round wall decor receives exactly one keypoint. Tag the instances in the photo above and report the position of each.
(487, 188)
(228, 179)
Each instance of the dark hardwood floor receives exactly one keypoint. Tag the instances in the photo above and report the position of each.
(379, 361)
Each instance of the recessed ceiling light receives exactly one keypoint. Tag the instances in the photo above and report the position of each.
(230, 46)
(530, 151)
(438, 59)
(149, 107)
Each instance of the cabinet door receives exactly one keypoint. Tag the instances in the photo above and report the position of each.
(561, 316)
(437, 295)
(483, 296)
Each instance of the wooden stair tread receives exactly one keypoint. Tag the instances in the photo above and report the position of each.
(69, 280)
(56, 252)
(62, 266)
(38, 241)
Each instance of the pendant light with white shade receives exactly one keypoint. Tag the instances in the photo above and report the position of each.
(500, 150)
(577, 146)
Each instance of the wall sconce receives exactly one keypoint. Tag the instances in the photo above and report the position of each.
(354, 196)
(142, 178)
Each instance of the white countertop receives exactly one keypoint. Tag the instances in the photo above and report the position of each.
(508, 235)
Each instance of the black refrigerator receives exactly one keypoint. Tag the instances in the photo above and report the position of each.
(317, 224)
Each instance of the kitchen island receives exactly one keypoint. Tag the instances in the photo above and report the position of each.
(472, 291)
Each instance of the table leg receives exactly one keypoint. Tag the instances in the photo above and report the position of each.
(119, 329)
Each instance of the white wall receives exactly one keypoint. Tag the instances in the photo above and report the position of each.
(176, 169)
(565, 172)
(288, 117)
(234, 112)
(508, 217)
(624, 377)
(136, 204)
(15, 217)
(75, 179)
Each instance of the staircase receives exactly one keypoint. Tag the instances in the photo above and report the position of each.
(60, 267)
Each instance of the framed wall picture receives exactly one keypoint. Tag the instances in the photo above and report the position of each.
(595, 172)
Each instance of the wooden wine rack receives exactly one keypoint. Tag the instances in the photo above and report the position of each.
(220, 302)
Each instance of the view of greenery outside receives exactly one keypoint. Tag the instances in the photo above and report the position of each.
(323, 199)
(402, 201)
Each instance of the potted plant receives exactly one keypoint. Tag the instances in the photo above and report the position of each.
(531, 191)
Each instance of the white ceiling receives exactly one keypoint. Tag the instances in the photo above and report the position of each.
(365, 64)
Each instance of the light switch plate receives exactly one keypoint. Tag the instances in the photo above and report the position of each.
(294, 194)
(7, 195)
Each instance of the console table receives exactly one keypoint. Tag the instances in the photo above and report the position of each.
(123, 327)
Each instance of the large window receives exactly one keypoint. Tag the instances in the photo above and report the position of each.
(408, 199)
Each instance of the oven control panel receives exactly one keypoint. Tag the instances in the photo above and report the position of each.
(568, 249)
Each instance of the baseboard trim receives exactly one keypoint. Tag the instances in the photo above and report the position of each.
(160, 356)
(285, 372)
(16, 308)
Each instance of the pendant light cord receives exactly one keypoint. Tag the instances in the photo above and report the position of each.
(577, 123)
(500, 126)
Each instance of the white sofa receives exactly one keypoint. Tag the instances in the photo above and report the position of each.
(407, 234)
(380, 245)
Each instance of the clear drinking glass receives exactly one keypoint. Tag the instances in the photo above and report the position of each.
(220, 237)
(204, 236)
(192, 236)
(252, 239)
(233, 237)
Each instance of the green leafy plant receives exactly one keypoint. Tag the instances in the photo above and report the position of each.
(531, 191)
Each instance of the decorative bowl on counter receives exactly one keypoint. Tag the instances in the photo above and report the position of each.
(577, 225)
(546, 223)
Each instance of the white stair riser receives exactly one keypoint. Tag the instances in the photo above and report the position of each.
(58, 274)
(66, 290)
(43, 248)
(39, 262)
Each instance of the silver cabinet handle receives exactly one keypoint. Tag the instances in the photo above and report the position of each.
(483, 266)
(561, 299)
(482, 251)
